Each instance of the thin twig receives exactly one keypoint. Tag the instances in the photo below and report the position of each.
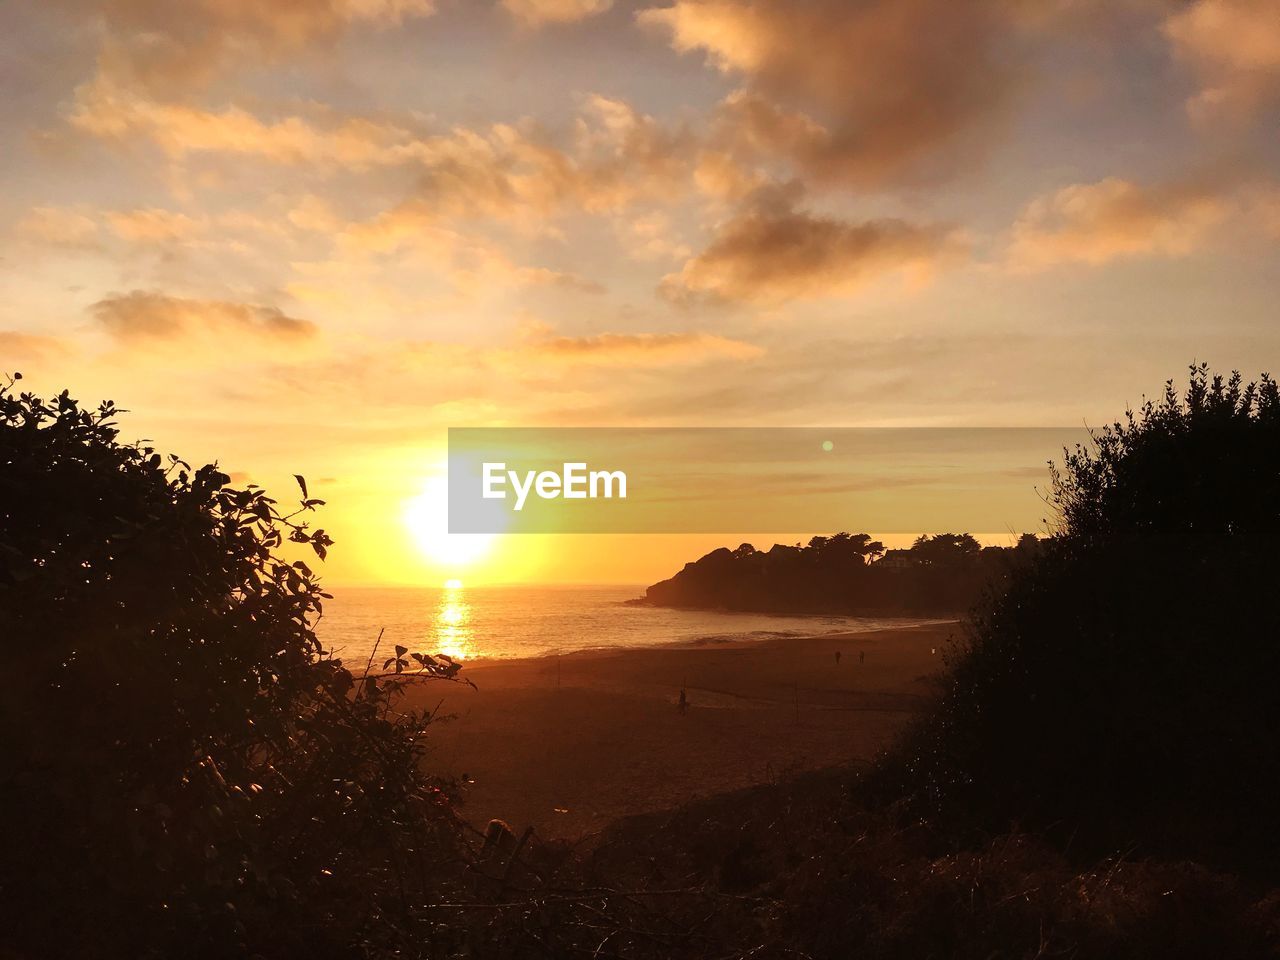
(372, 653)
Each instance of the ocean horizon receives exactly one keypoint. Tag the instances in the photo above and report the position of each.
(515, 621)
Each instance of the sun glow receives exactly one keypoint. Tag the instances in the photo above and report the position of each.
(427, 518)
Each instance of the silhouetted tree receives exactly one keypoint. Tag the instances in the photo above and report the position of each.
(945, 549)
(184, 771)
(1123, 688)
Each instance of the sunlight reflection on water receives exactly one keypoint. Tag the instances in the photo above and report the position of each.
(453, 624)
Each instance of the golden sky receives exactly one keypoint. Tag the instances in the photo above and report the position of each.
(307, 236)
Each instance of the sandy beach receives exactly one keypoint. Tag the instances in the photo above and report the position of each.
(567, 744)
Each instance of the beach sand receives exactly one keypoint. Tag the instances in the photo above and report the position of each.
(567, 744)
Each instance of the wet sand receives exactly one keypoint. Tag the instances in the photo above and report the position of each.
(568, 744)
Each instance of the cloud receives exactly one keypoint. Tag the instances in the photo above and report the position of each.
(650, 236)
(640, 349)
(148, 316)
(723, 176)
(58, 227)
(861, 91)
(33, 347)
(614, 156)
(536, 12)
(156, 45)
(152, 225)
(772, 252)
(111, 111)
(314, 214)
(1234, 45)
(414, 230)
(1095, 223)
(544, 277)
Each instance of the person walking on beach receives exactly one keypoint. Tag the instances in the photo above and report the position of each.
(837, 658)
(862, 656)
(684, 701)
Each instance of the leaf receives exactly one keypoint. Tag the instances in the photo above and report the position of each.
(401, 651)
(301, 483)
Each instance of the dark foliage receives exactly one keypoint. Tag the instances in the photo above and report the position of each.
(184, 772)
(806, 869)
(1123, 690)
(844, 573)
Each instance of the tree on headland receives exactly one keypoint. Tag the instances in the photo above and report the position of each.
(185, 770)
(945, 549)
(848, 573)
(857, 547)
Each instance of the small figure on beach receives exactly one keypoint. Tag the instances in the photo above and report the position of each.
(683, 706)
(862, 656)
(837, 658)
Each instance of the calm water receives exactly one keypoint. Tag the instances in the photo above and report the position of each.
(534, 621)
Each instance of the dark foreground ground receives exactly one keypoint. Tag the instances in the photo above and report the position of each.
(570, 744)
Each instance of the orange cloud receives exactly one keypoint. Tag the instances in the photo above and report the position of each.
(864, 91)
(1099, 222)
(536, 12)
(162, 46)
(58, 227)
(616, 154)
(643, 349)
(1235, 47)
(151, 316)
(29, 347)
(111, 111)
(152, 225)
(415, 230)
(650, 236)
(771, 253)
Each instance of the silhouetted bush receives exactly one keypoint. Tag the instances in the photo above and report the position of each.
(184, 771)
(1123, 689)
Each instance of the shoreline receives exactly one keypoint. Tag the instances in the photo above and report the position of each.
(723, 641)
(885, 613)
(568, 743)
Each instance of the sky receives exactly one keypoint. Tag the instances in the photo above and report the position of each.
(308, 236)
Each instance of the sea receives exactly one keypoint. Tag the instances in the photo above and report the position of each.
(467, 623)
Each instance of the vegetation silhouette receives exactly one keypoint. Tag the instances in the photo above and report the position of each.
(185, 771)
(1099, 778)
(1121, 688)
(845, 573)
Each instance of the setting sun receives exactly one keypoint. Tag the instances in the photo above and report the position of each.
(426, 517)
